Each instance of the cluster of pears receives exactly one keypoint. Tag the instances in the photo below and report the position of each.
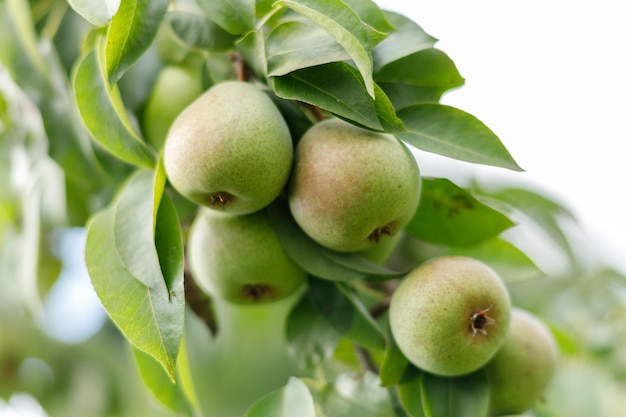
(231, 152)
(452, 316)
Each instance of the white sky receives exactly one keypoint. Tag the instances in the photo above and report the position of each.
(549, 78)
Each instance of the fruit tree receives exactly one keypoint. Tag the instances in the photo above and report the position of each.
(259, 227)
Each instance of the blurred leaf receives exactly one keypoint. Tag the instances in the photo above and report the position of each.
(96, 12)
(124, 264)
(344, 311)
(449, 215)
(508, 261)
(198, 31)
(294, 45)
(341, 22)
(314, 258)
(131, 32)
(465, 396)
(409, 392)
(453, 133)
(394, 364)
(407, 38)
(353, 395)
(102, 117)
(418, 78)
(252, 48)
(294, 399)
(158, 382)
(310, 335)
(234, 16)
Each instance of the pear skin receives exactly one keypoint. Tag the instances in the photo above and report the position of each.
(230, 149)
(352, 188)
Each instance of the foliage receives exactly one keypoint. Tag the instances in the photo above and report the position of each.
(75, 79)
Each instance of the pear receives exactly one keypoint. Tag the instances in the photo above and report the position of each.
(352, 188)
(230, 149)
(449, 316)
(521, 370)
(239, 258)
(175, 88)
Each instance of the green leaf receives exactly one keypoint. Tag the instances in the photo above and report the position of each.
(409, 392)
(309, 334)
(98, 13)
(294, 399)
(314, 258)
(453, 133)
(99, 111)
(139, 281)
(346, 313)
(294, 45)
(131, 32)
(407, 38)
(335, 87)
(466, 396)
(353, 395)
(346, 27)
(420, 77)
(198, 31)
(394, 364)
(508, 261)
(449, 215)
(235, 16)
(158, 381)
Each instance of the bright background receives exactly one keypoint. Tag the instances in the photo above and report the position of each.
(549, 78)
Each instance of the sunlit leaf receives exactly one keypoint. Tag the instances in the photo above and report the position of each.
(234, 16)
(147, 306)
(131, 32)
(341, 22)
(466, 396)
(406, 39)
(294, 399)
(158, 381)
(449, 215)
(454, 133)
(99, 112)
(98, 13)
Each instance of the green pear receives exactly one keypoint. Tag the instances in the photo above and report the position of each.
(175, 88)
(230, 149)
(449, 316)
(521, 370)
(239, 258)
(352, 188)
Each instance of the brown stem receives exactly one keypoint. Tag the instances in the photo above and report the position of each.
(199, 302)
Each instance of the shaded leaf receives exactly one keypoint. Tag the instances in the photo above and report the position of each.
(98, 13)
(407, 38)
(198, 31)
(309, 334)
(147, 306)
(98, 109)
(345, 312)
(314, 258)
(409, 392)
(394, 364)
(449, 215)
(234, 16)
(466, 396)
(453, 133)
(294, 399)
(131, 32)
(508, 261)
(341, 22)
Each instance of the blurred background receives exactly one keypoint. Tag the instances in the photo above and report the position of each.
(546, 77)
